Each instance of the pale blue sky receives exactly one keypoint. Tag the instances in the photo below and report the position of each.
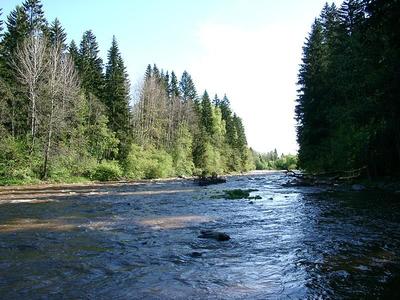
(249, 49)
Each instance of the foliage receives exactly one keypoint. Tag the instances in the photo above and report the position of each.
(347, 108)
(271, 161)
(107, 170)
(148, 163)
(65, 116)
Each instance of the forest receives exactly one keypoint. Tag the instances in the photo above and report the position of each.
(348, 109)
(65, 115)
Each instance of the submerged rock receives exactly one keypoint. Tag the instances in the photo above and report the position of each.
(216, 235)
(204, 181)
(196, 254)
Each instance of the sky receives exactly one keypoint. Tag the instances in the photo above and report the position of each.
(248, 49)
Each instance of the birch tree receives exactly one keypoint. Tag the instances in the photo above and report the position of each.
(30, 62)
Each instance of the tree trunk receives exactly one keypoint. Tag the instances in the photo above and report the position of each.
(48, 144)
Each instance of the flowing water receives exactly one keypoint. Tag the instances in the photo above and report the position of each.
(140, 241)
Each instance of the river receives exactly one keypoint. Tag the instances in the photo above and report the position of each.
(140, 241)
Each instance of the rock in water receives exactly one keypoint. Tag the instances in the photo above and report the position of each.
(209, 234)
(196, 254)
(204, 181)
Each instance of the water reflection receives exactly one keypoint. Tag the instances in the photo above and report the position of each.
(135, 241)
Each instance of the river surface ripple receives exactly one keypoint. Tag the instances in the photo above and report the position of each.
(137, 241)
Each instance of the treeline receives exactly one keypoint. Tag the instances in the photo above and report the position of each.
(348, 108)
(65, 115)
(272, 161)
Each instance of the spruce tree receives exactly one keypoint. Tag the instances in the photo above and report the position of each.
(148, 73)
(156, 73)
(17, 30)
(187, 88)
(74, 53)
(308, 110)
(57, 34)
(216, 100)
(91, 65)
(207, 114)
(36, 21)
(173, 88)
(226, 113)
(117, 97)
(166, 82)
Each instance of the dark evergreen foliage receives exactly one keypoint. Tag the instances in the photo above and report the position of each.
(57, 34)
(90, 65)
(116, 96)
(349, 79)
(35, 15)
(187, 88)
(207, 114)
(173, 88)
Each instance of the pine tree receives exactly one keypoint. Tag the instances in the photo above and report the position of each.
(117, 97)
(57, 34)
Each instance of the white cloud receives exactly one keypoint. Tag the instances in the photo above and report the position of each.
(258, 71)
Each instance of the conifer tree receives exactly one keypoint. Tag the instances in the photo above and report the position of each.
(173, 88)
(36, 20)
(308, 113)
(207, 114)
(17, 30)
(57, 34)
(117, 96)
(226, 113)
(91, 65)
(148, 73)
(74, 53)
(156, 73)
(187, 88)
(216, 100)
(166, 81)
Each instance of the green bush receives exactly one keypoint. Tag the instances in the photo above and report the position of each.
(16, 166)
(148, 163)
(107, 170)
